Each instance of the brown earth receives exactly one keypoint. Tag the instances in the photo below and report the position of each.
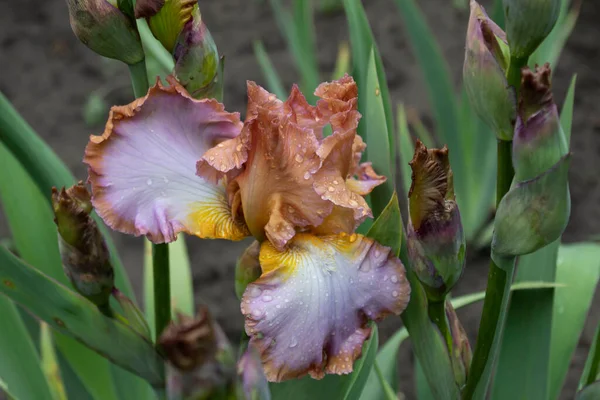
(48, 75)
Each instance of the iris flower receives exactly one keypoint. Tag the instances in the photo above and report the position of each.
(168, 163)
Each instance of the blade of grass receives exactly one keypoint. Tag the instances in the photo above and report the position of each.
(406, 151)
(71, 314)
(578, 269)
(591, 371)
(50, 364)
(19, 357)
(274, 84)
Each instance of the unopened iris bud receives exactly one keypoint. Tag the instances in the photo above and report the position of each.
(247, 268)
(539, 140)
(484, 73)
(197, 59)
(166, 18)
(435, 237)
(102, 27)
(189, 342)
(528, 22)
(84, 254)
(460, 354)
(254, 385)
(536, 210)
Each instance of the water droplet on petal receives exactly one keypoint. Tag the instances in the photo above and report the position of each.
(239, 147)
(299, 158)
(267, 298)
(307, 175)
(254, 291)
(331, 188)
(211, 158)
(353, 203)
(293, 342)
(165, 179)
(257, 313)
(394, 279)
(220, 145)
(335, 182)
(149, 182)
(395, 293)
(377, 91)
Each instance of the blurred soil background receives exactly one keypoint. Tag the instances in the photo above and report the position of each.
(48, 75)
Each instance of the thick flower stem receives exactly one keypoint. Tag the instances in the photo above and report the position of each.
(139, 78)
(437, 314)
(497, 295)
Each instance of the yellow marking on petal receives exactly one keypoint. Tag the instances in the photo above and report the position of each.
(214, 220)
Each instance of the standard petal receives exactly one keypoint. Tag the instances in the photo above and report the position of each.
(142, 168)
(308, 312)
(337, 96)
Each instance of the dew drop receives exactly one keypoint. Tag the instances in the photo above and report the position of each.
(149, 182)
(239, 147)
(377, 253)
(335, 182)
(294, 342)
(395, 293)
(394, 279)
(353, 203)
(165, 179)
(299, 158)
(385, 278)
(267, 298)
(257, 313)
(220, 145)
(254, 291)
(307, 175)
(331, 188)
(291, 210)
(211, 158)
(377, 91)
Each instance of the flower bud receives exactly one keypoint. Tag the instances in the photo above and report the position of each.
(536, 210)
(85, 257)
(254, 385)
(189, 342)
(460, 354)
(197, 59)
(247, 268)
(435, 237)
(528, 22)
(102, 27)
(539, 140)
(484, 73)
(166, 18)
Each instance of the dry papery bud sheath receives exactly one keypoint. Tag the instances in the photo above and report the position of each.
(190, 341)
(528, 22)
(85, 256)
(461, 353)
(102, 27)
(436, 241)
(484, 73)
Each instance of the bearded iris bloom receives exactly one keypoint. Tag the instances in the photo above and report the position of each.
(168, 163)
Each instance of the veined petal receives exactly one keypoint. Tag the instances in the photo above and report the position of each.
(366, 179)
(337, 96)
(308, 311)
(142, 168)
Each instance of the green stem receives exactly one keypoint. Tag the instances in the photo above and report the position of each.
(437, 314)
(387, 389)
(139, 78)
(162, 287)
(595, 366)
(514, 72)
(497, 294)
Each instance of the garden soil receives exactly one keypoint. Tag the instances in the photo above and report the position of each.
(48, 75)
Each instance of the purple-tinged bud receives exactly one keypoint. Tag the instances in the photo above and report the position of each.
(528, 22)
(85, 256)
(196, 59)
(539, 140)
(435, 237)
(484, 73)
(460, 354)
(189, 342)
(254, 384)
(102, 27)
(247, 268)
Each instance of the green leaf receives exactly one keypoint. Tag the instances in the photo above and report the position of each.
(437, 78)
(387, 228)
(71, 314)
(342, 62)
(19, 357)
(566, 114)
(528, 331)
(95, 109)
(377, 137)
(182, 291)
(344, 387)
(274, 84)
(591, 371)
(362, 43)
(50, 364)
(579, 269)
(406, 150)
